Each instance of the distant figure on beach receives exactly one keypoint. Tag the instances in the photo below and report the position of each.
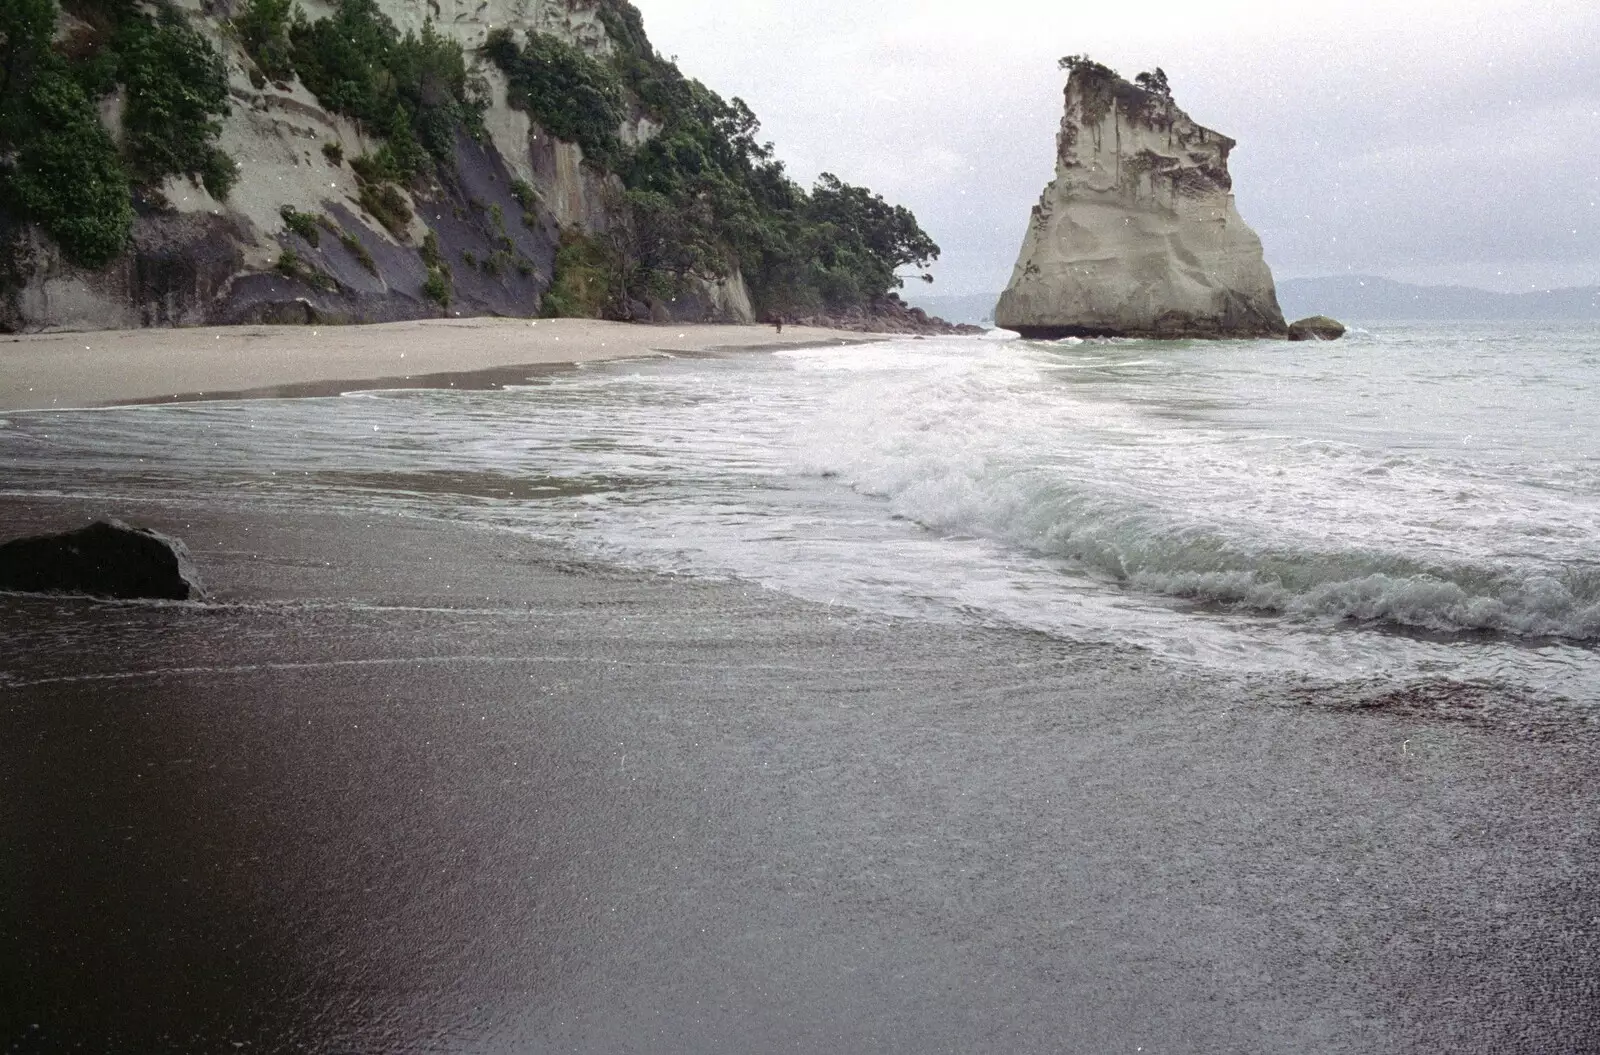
(777, 320)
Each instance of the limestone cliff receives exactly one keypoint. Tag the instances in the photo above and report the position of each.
(497, 212)
(1138, 234)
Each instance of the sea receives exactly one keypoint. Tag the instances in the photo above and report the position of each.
(1414, 505)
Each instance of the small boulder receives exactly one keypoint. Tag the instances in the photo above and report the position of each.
(106, 559)
(1316, 328)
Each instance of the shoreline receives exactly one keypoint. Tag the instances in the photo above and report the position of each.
(434, 773)
(68, 371)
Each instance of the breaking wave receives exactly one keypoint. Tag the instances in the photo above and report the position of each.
(1142, 551)
(1139, 551)
(1317, 530)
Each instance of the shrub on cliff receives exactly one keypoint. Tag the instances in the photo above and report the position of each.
(61, 169)
(435, 89)
(414, 91)
(177, 93)
(1085, 65)
(437, 287)
(572, 96)
(58, 167)
(388, 206)
(65, 175)
(1155, 82)
(585, 284)
(263, 28)
(303, 224)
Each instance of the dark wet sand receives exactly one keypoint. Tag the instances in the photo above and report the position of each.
(408, 786)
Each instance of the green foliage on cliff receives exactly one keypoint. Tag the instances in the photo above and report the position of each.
(572, 96)
(704, 196)
(59, 168)
(263, 28)
(290, 265)
(303, 224)
(1155, 82)
(585, 282)
(707, 196)
(412, 90)
(388, 206)
(1085, 65)
(437, 287)
(66, 176)
(177, 92)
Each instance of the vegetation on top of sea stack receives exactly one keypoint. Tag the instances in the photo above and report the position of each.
(59, 168)
(1145, 101)
(1155, 82)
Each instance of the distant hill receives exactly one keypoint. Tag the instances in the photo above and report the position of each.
(974, 308)
(1363, 298)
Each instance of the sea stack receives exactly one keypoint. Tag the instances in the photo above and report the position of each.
(1137, 235)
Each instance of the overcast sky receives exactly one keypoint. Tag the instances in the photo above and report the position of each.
(1432, 141)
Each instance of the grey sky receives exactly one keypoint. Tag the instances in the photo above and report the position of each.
(1428, 141)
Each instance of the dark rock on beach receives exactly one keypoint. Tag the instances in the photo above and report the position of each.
(1316, 328)
(106, 559)
(888, 314)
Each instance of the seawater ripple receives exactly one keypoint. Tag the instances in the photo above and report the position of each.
(1409, 500)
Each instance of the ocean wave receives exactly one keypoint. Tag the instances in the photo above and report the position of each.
(1317, 530)
(1145, 550)
(1538, 606)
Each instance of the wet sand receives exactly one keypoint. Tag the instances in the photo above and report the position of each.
(412, 786)
(71, 370)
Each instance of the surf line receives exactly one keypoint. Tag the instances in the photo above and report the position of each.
(394, 661)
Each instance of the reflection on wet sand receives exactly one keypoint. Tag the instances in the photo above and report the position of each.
(412, 786)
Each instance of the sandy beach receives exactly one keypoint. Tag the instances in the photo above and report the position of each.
(409, 786)
(409, 781)
(74, 370)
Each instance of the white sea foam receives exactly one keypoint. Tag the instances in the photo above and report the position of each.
(1147, 492)
(1255, 506)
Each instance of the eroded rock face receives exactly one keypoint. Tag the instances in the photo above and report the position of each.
(1138, 235)
(197, 261)
(106, 559)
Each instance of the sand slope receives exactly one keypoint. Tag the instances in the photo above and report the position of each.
(63, 370)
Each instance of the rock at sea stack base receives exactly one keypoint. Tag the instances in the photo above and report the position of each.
(106, 559)
(1316, 328)
(1138, 235)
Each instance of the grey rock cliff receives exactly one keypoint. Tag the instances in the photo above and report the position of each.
(1138, 234)
(197, 261)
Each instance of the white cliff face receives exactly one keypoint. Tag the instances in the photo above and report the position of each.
(468, 22)
(276, 133)
(204, 261)
(1138, 234)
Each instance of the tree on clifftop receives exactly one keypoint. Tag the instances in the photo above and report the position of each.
(1084, 64)
(1155, 82)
